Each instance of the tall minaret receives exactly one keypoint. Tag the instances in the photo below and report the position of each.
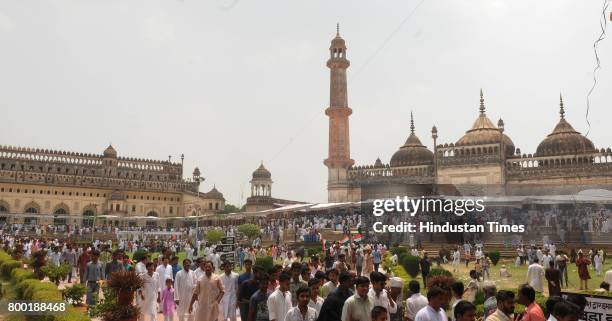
(339, 158)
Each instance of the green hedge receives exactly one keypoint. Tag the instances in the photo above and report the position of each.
(20, 274)
(439, 271)
(36, 290)
(26, 287)
(8, 266)
(400, 250)
(410, 264)
(494, 256)
(72, 314)
(400, 272)
(266, 262)
(4, 257)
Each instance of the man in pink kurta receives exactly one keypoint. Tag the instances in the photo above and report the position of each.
(208, 292)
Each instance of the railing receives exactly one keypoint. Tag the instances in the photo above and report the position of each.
(11, 176)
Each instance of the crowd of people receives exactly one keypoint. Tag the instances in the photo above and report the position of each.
(347, 282)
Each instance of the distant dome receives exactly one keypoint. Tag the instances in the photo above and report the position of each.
(214, 194)
(564, 139)
(196, 172)
(413, 152)
(484, 132)
(262, 172)
(110, 152)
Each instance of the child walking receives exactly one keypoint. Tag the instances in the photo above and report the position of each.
(168, 304)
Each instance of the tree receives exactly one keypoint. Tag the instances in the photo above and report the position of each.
(214, 236)
(250, 230)
(229, 208)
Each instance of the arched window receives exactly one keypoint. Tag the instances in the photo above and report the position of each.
(152, 214)
(88, 220)
(60, 211)
(31, 210)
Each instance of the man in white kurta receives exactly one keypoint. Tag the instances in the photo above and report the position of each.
(208, 293)
(146, 299)
(598, 264)
(184, 283)
(230, 284)
(535, 276)
(164, 271)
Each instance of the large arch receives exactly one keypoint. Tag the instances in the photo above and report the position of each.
(32, 208)
(152, 222)
(4, 207)
(61, 209)
(88, 217)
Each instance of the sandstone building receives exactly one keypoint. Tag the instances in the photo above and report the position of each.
(40, 186)
(485, 161)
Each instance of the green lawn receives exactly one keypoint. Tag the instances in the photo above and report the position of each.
(519, 275)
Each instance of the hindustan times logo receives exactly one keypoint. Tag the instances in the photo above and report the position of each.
(412, 206)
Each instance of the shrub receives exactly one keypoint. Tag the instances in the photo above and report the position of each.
(8, 266)
(439, 271)
(479, 311)
(494, 256)
(125, 280)
(41, 287)
(410, 264)
(56, 273)
(72, 314)
(315, 251)
(140, 255)
(265, 262)
(214, 236)
(121, 312)
(75, 293)
(250, 230)
(400, 250)
(479, 298)
(20, 274)
(4, 257)
(47, 295)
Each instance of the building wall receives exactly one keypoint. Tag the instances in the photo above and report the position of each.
(470, 174)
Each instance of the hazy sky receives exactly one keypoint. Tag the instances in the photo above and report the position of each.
(230, 83)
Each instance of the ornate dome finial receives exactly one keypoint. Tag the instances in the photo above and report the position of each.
(338, 29)
(561, 109)
(482, 106)
(411, 123)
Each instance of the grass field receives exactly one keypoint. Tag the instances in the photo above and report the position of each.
(519, 275)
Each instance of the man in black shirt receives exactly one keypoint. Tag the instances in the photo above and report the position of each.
(425, 266)
(258, 303)
(331, 310)
(246, 289)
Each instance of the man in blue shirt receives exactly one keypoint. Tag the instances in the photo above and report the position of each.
(248, 274)
(175, 266)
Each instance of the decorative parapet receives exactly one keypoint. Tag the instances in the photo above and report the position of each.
(590, 164)
(384, 170)
(43, 166)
